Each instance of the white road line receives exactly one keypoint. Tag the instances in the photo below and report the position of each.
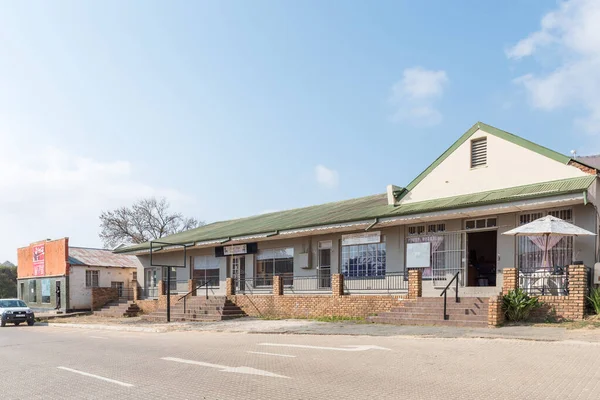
(271, 354)
(97, 337)
(345, 348)
(96, 376)
(225, 368)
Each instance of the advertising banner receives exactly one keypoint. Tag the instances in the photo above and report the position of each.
(39, 265)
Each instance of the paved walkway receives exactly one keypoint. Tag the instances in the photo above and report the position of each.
(309, 327)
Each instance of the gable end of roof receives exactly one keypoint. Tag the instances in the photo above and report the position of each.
(556, 156)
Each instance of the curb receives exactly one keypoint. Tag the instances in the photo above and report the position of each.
(115, 328)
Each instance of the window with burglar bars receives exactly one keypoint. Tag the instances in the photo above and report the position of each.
(531, 257)
(91, 278)
(478, 152)
(364, 260)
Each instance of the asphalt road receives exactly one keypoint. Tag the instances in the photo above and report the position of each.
(44, 362)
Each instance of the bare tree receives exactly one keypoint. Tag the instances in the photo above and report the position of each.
(145, 220)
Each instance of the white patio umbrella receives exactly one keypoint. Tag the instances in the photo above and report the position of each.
(548, 227)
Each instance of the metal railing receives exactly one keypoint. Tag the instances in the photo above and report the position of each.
(126, 293)
(445, 293)
(300, 284)
(150, 292)
(553, 282)
(254, 285)
(390, 282)
(205, 284)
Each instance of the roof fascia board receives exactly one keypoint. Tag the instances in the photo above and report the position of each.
(503, 208)
(496, 132)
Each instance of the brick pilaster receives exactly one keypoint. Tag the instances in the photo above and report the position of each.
(192, 286)
(230, 287)
(577, 291)
(136, 292)
(510, 280)
(337, 284)
(415, 283)
(277, 285)
(161, 287)
(495, 313)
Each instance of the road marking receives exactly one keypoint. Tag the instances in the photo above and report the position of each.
(271, 354)
(96, 376)
(97, 337)
(225, 368)
(345, 348)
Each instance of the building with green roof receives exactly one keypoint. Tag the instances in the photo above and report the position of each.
(448, 220)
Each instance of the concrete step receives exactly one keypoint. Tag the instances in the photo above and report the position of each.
(435, 322)
(464, 310)
(431, 315)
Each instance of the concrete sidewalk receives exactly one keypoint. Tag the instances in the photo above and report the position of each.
(309, 327)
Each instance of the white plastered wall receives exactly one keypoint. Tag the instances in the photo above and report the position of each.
(80, 296)
(508, 165)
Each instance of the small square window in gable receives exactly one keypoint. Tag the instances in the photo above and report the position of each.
(479, 152)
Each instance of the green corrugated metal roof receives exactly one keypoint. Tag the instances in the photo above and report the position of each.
(364, 208)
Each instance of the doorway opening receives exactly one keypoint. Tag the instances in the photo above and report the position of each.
(482, 249)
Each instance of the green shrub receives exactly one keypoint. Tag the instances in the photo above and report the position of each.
(594, 299)
(517, 305)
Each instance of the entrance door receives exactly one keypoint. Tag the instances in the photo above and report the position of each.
(238, 271)
(482, 258)
(324, 264)
(150, 283)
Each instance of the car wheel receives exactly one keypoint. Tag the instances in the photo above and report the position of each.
(30, 323)
(17, 323)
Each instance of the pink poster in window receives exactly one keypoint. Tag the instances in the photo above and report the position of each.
(39, 265)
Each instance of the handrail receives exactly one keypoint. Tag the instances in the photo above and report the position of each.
(444, 292)
(184, 297)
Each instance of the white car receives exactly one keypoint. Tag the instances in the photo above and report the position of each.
(15, 311)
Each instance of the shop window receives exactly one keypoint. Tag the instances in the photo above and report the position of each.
(481, 223)
(364, 260)
(33, 291)
(206, 269)
(274, 262)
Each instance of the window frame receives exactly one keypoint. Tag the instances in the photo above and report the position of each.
(359, 250)
(265, 279)
(90, 274)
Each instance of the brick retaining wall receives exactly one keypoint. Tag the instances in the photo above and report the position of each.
(102, 296)
(313, 306)
(147, 306)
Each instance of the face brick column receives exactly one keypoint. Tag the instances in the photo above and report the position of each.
(577, 291)
(337, 284)
(230, 287)
(495, 313)
(192, 286)
(277, 285)
(510, 280)
(135, 287)
(161, 287)
(415, 283)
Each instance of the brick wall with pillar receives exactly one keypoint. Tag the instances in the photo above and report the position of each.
(277, 285)
(415, 283)
(192, 286)
(229, 287)
(495, 312)
(337, 284)
(510, 280)
(136, 289)
(161, 287)
(578, 290)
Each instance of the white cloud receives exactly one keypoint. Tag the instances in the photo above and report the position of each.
(326, 177)
(414, 96)
(46, 192)
(571, 35)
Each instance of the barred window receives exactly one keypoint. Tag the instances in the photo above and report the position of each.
(364, 260)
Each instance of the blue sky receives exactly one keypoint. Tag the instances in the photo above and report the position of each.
(235, 108)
